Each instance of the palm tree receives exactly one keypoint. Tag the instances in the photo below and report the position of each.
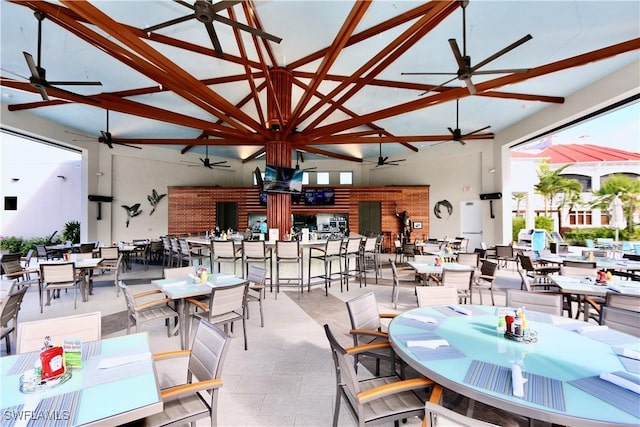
(518, 196)
(551, 184)
(629, 190)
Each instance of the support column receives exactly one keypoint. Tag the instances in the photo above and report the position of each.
(278, 151)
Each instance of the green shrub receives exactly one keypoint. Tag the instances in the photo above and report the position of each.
(12, 244)
(517, 225)
(71, 231)
(543, 223)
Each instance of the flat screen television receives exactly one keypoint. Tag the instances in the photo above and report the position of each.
(319, 196)
(278, 179)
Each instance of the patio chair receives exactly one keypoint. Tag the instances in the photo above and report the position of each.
(197, 397)
(436, 295)
(256, 277)
(439, 416)
(86, 326)
(399, 280)
(366, 328)
(376, 400)
(543, 302)
(55, 277)
(142, 309)
(9, 316)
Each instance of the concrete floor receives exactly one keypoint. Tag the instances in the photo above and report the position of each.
(286, 377)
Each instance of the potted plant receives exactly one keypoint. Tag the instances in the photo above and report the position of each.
(71, 231)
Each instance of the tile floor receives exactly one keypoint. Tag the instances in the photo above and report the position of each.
(285, 378)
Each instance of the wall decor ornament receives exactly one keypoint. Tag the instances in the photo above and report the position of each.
(154, 198)
(132, 211)
(442, 204)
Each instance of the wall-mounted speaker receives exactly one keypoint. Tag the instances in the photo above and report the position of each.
(491, 196)
(94, 198)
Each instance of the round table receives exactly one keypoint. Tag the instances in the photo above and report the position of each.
(559, 366)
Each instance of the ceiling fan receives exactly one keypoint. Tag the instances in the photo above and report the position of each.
(384, 161)
(465, 69)
(300, 159)
(207, 163)
(107, 138)
(206, 12)
(457, 133)
(38, 74)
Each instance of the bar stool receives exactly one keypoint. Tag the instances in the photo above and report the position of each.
(351, 257)
(288, 253)
(256, 252)
(224, 251)
(370, 253)
(327, 255)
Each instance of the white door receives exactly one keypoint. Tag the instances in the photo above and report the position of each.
(471, 223)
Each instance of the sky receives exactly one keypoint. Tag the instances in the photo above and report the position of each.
(618, 129)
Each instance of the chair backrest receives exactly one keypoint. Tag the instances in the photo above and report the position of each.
(155, 246)
(41, 251)
(436, 295)
(364, 314)
(579, 264)
(370, 244)
(439, 416)
(353, 245)
(87, 327)
(458, 279)
(86, 247)
(58, 272)
(228, 299)
(333, 247)
(622, 320)
(488, 269)
(12, 266)
(624, 301)
(254, 248)
(345, 369)
(223, 248)
(287, 249)
(128, 298)
(208, 352)
(256, 275)
(109, 252)
(11, 306)
(468, 258)
(536, 301)
(27, 257)
(184, 247)
(409, 249)
(578, 271)
(504, 251)
(525, 262)
(81, 255)
(589, 243)
(178, 272)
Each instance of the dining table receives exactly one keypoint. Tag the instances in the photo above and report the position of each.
(582, 287)
(602, 263)
(116, 384)
(563, 373)
(429, 268)
(181, 288)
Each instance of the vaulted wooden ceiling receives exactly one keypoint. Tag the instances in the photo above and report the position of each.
(333, 87)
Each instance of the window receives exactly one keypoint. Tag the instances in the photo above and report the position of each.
(584, 180)
(255, 181)
(305, 178)
(580, 218)
(322, 178)
(10, 203)
(346, 178)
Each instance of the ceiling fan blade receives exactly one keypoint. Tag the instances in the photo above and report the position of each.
(502, 52)
(168, 23)
(226, 4)
(462, 64)
(184, 3)
(428, 74)
(477, 131)
(439, 86)
(76, 83)
(452, 131)
(214, 39)
(127, 145)
(470, 86)
(504, 71)
(43, 93)
(106, 138)
(204, 161)
(35, 72)
(247, 28)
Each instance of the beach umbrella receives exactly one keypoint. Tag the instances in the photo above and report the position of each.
(616, 215)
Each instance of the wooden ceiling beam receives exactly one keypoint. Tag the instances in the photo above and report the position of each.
(172, 70)
(247, 70)
(462, 92)
(315, 150)
(222, 142)
(421, 87)
(252, 18)
(348, 27)
(255, 155)
(355, 139)
(380, 61)
(373, 31)
(68, 23)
